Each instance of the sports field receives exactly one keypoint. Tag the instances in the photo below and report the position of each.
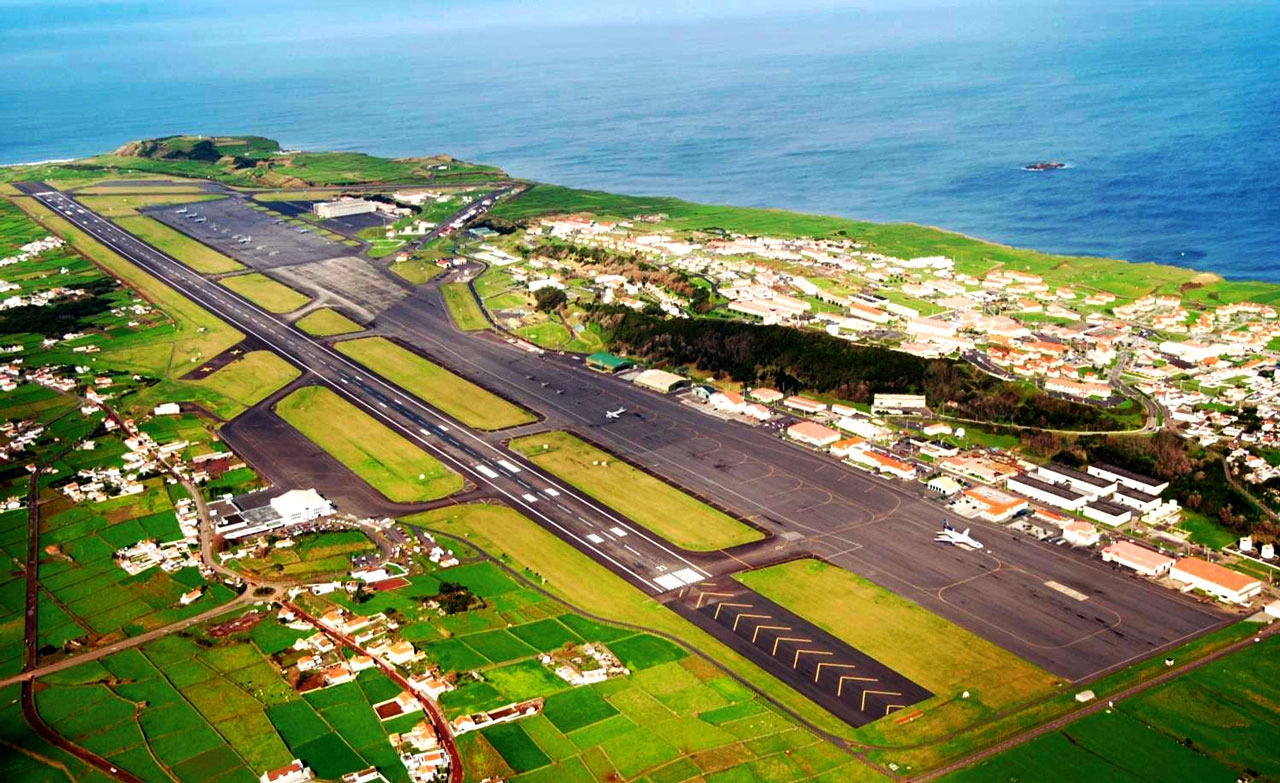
(456, 396)
(907, 638)
(327, 323)
(266, 293)
(395, 467)
(199, 257)
(462, 307)
(683, 520)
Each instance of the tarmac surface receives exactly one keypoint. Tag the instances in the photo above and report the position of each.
(847, 683)
(1068, 613)
(271, 244)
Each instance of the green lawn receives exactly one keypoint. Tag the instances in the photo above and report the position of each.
(395, 467)
(199, 257)
(265, 292)
(941, 656)
(326, 323)
(679, 518)
(127, 205)
(456, 396)
(251, 378)
(463, 309)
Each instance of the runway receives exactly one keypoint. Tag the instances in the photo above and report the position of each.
(809, 503)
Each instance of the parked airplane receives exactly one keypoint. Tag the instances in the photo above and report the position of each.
(949, 535)
(614, 414)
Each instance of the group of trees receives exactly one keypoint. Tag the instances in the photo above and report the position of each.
(794, 360)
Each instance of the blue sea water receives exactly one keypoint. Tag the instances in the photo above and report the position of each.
(1166, 112)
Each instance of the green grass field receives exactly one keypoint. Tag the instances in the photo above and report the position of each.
(392, 465)
(941, 656)
(456, 396)
(327, 323)
(462, 307)
(1217, 723)
(266, 293)
(251, 378)
(683, 520)
(199, 257)
(119, 204)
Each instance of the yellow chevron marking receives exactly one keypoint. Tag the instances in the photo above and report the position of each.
(796, 662)
(781, 639)
(879, 693)
(760, 628)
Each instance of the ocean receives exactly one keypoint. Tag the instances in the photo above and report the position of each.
(1165, 112)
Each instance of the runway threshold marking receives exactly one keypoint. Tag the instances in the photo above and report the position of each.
(818, 673)
(705, 593)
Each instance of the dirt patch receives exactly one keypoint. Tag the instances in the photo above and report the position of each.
(244, 622)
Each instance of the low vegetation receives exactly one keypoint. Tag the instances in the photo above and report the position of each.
(199, 257)
(462, 306)
(392, 465)
(327, 323)
(434, 385)
(661, 508)
(266, 293)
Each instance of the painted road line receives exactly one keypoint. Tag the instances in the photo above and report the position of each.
(617, 531)
(1067, 591)
(551, 492)
(688, 576)
(529, 497)
(595, 538)
(507, 466)
(487, 471)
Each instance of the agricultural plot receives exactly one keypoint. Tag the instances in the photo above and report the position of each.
(456, 396)
(194, 708)
(390, 464)
(679, 518)
(312, 555)
(88, 596)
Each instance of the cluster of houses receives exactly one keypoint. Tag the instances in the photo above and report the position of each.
(584, 664)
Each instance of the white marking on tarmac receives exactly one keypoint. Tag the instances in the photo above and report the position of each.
(669, 581)
(688, 576)
(487, 471)
(617, 531)
(509, 467)
(1067, 591)
(595, 539)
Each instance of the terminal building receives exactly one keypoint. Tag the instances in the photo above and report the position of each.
(344, 207)
(242, 517)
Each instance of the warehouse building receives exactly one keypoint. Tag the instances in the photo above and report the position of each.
(1078, 481)
(899, 403)
(944, 485)
(883, 463)
(1080, 533)
(813, 434)
(608, 363)
(804, 404)
(344, 207)
(1135, 499)
(1128, 478)
(1222, 583)
(1111, 514)
(661, 381)
(248, 516)
(1044, 492)
(1145, 561)
(994, 505)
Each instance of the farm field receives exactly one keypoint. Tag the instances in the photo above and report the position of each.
(327, 323)
(456, 396)
(199, 257)
(679, 518)
(674, 717)
(197, 334)
(464, 311)
(580, 582)
(1217, 723)
(388, 462)
(85, 595)
(942, 657)
(266, 293)
(311, 555)
(195, 708)
(41, 762)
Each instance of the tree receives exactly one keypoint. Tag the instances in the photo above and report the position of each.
(549, 299)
